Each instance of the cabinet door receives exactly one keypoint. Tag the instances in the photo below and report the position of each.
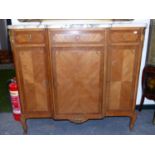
(78, 81)
(33, 79)
(122, 70)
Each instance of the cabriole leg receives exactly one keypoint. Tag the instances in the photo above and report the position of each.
(132, 120)
(24, 125)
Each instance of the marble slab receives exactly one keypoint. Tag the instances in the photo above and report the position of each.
(79, 24)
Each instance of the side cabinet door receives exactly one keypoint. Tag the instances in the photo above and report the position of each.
(122, 70)
(33, 79)
(78, 81)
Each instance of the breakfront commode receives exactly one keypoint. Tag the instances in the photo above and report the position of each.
(77, 74)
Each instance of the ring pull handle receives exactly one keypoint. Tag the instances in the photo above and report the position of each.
(29, 36)
(77, 37)
(135, 32)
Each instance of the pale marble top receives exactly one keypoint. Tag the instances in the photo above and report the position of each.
(99, 24)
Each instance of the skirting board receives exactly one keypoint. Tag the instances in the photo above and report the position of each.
(149, 106)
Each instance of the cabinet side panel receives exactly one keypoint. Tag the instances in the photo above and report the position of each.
(114, 95)
(122, 68)
(128, 64)
(34, 76)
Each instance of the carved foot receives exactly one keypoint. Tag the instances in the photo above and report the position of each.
(78, 120)
(132, 120)
(24, 125)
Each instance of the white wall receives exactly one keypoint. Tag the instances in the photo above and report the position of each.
(144, 54)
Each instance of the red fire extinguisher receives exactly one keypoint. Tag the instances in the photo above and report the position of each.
(15, 101)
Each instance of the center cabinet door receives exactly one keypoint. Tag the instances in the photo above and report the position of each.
(78, 81)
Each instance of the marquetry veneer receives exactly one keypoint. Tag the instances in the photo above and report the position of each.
(77, 74)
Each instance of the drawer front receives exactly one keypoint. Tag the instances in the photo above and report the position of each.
(124, 36)
(29, 37)
(77, 37)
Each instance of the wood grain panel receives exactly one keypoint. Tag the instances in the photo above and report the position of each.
(121, 72)
(126, 36)
(41, 82)
(34, 76)
(128, 64)
(125, 96)
(114, 95)
(78, 80)
(116, 62)
(25, 58)
(78, 37)
(30, 37)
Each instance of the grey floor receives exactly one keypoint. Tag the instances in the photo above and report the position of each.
(106, 126)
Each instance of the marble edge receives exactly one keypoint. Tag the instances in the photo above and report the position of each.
(25, 26)
(61, 26)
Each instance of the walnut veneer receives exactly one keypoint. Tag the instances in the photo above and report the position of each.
(77, 74)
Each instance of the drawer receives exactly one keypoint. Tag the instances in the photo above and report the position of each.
(29, 37)
(78, 37)
(124, 36)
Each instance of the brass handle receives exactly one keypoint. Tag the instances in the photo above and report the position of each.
(130, 34)
(12, 40)
(135, 32)
(29, 36)
(77, 37)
